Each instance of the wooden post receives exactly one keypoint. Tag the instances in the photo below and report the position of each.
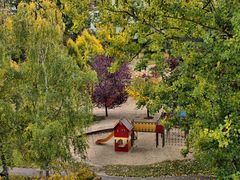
(132, 138)
(106, 111)
(157, 140)
(163, 139)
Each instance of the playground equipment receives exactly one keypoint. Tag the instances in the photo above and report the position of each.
(124, 133)
(153, 127)
(123, 136)
(144, 126)
(101, 141)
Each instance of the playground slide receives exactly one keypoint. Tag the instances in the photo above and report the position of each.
(101, 141)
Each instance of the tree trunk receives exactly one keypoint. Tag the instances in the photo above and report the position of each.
(5, 168)
(106, 110)
(47, 171)
(148, 114)
(47, 174)
(186, 132)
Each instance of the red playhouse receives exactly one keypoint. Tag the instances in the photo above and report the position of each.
(124, 133)
(123, 136)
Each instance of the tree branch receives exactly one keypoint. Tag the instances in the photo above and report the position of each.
(201, 24)
(161, 31)
(208, 3)
(186, 38)
(192, 21)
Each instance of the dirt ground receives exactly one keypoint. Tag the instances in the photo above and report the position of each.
(144, 150)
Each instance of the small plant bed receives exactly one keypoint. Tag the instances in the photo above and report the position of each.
(166, 168)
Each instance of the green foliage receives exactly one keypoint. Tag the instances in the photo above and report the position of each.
(184, 152)
(117, 42)
(223, 145)
(142, 85)
(141, 65)
(45, 102)
(204, 35)
(77, 15)
(85, 49)
(9, 102)
(44, 85)
(83, 173)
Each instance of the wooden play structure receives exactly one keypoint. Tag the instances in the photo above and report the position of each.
(123, 136)
(124, 133)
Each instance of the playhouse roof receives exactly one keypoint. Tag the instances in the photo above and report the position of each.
(126, 123)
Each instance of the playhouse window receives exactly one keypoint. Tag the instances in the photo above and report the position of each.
(122, 143)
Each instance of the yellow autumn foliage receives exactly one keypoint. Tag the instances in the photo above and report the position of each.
(80, 41)
(14, 65)
(105, 32)
(139, 88)
(136, 90)
(32, 6)
(90, 42)
(8, 24)
(85, 47)
(154, 80)
(133, 93)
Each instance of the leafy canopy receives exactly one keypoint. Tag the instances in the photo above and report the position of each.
(110, 90)
(46, 102)
(204, 35)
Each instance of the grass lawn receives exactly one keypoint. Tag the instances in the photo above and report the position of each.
(166, 168)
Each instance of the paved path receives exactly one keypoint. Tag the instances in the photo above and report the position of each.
(30, 172)
(25, 171)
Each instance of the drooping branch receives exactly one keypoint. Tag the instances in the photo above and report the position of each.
(161, 31)
(207, 4)
(200, 24)
(192, 21)
(186, 38)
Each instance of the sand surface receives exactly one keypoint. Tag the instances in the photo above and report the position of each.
(144, 150)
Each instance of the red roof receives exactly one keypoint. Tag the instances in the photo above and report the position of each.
(126, 123)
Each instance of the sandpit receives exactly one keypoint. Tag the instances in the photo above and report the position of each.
(143, 152)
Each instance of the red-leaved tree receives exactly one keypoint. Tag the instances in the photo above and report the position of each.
(110, 91)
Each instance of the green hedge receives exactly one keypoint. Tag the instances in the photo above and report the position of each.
(166, 168)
